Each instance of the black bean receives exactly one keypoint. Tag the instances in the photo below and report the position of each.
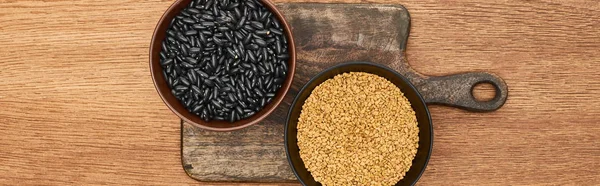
(166, 62)
(231, 97)
(247, 91)
(188, 20)
(276, 31)
(193, 10)
(241, 22)
(215, 93)
(185, 14)
(249, 83)
(216, 103)
(233, 5)
(223, 20)
(238, 35)
(278, 80)
(229, 106)
(259, 93)
(196, 89)
(246, 65)
(252, 47)
(202, 73)
(265, 53)
(248, 114)
(226, 89)
(278, 47)
(262, 32)
(275, 22)
(251, 4)
(284, 40)
(169, 69)
(256, 36)
(191, 60)
(181, 38)
(192, 76)
(239, 110)
(206, 94)
(180, 87)
(191, 32)
(234, 70)
(264, 16)
(171, 33)
(270, 65)
(232, 116)
(269, 84)
(284, 65)
(207, 17)
(187, 65)
(229, 36)
(236, 11)
(193, 41)
(251, 57)
(263, 102)
(205, 115)
(249, 28)
(188, 102)
(164, 47)
(207, 33)
(277, 72)
(207, 23)
(250, 74)
(283, 56)
(213, 61)
(242, 103)
(209, 83)
(198, 27)
(195, 50)
(223, 28)
(175, 92)
(232, 53)
(219, 35)
(255, 15)
(215, 9)
(197, 108)
(220, 101)
(247, 39)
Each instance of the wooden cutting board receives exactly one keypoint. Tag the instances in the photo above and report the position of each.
(325, 34)
(79, 106)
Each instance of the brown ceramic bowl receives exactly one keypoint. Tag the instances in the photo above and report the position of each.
(165, 92)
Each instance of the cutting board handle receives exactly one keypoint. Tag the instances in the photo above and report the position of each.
(457, 91)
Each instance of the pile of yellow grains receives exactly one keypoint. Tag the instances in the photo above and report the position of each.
(357, 129)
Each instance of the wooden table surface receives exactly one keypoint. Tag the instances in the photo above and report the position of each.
(77, 104)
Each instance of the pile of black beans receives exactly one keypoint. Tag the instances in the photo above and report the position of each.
(225, 59)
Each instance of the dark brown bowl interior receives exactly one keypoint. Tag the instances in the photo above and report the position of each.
(165, 92)
(416, 101)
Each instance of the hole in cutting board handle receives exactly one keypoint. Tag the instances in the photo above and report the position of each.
(457, 91)
(484, 91)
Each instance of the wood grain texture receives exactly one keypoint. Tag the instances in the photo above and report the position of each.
(79, 107)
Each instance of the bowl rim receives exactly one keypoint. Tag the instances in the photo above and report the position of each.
(314, 78)
(160, 30)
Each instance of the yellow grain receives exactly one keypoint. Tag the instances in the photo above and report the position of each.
(357, 129)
